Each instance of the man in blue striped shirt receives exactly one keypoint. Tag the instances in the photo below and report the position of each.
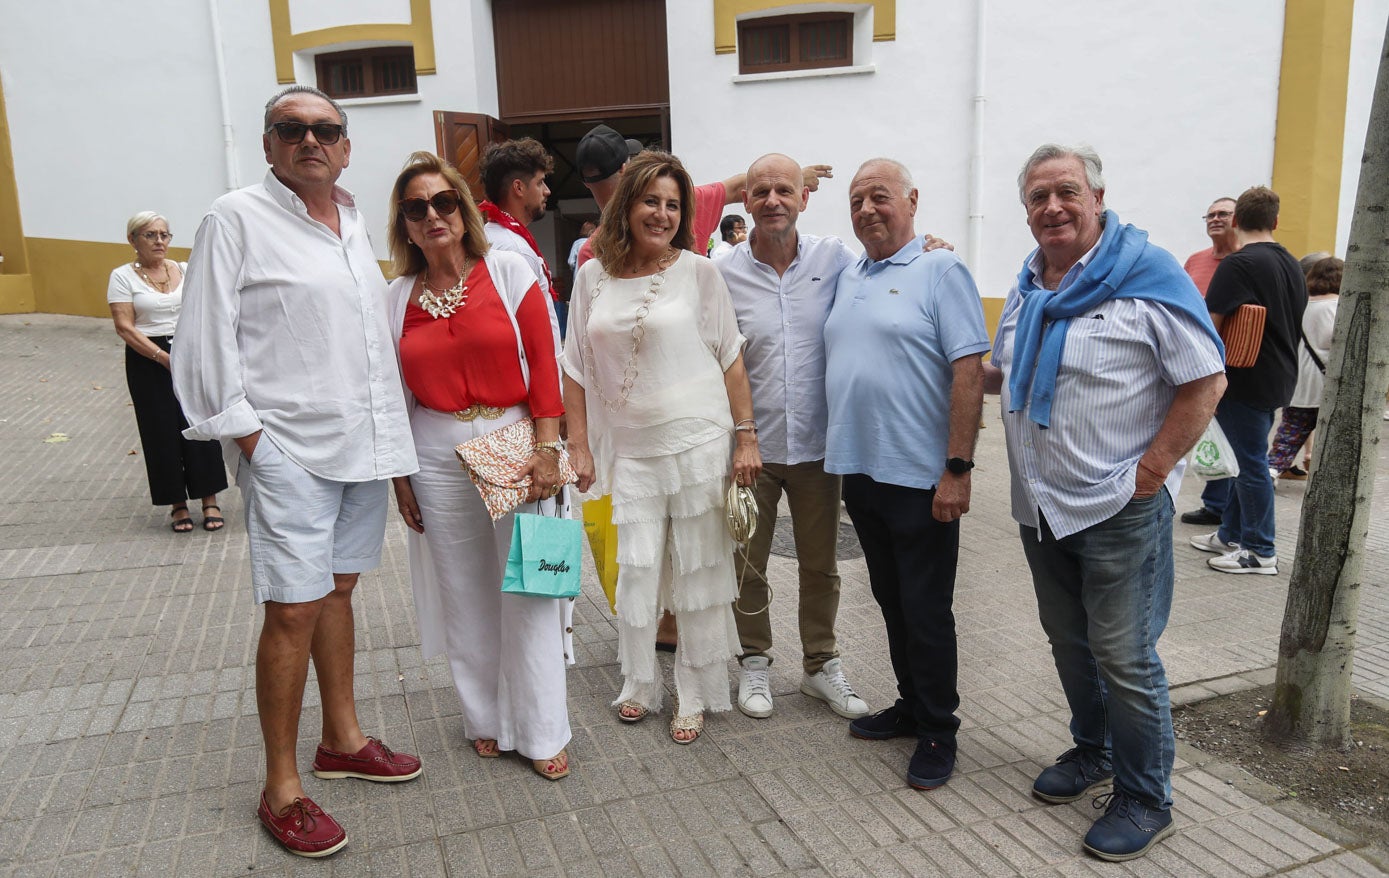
(1110, 369)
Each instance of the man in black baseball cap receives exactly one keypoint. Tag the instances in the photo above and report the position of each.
(601, 154)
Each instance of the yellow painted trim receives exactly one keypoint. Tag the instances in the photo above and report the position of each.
(11, 220)
(1308, 142)
(993, 312)
(419, 33)
(16, 294)
(726, 14)
(70, 277)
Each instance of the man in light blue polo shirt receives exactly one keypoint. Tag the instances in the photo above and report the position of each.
(903, 378)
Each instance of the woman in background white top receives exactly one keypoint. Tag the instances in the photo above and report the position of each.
(1300, 414)
(145, 296)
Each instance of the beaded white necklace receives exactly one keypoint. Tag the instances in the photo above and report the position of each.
(629, 374)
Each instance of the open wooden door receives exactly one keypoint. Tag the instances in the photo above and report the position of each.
(460, 139)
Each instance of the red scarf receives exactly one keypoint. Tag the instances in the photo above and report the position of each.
(495, 214)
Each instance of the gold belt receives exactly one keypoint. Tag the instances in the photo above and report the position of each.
(477, 410)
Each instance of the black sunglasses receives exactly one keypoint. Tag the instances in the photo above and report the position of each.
(445, 202)
(326, 133)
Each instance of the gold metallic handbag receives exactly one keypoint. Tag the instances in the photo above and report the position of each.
(740, 512)
(740, 516)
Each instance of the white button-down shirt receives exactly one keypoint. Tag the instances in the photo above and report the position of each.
(1120, 370)
(284, 329)
(784, 321)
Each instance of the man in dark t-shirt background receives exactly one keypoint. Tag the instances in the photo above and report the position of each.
(1263, 273)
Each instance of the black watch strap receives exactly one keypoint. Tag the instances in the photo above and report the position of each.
(959, 466)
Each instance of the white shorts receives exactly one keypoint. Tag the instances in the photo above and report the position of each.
(303, 529)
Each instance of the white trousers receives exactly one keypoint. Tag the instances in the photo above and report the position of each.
(507, 652)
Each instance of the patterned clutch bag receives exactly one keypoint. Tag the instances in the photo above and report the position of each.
(1243, 334)
(494, 463)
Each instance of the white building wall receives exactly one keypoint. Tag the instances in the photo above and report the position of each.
(111, 113)
(1366, 44)
(1179, 99)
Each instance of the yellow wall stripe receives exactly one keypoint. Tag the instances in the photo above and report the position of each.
(419, 33)
(726, 14)
(1309, 139)
(16, 285)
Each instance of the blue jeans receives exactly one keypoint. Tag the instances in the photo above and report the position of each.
(1248, 517)
(562, 315)
(1103, 596)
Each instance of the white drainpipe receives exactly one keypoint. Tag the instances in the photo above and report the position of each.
(228, 134)
(975, 255)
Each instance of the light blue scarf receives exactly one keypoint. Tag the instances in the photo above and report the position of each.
(1124, 267)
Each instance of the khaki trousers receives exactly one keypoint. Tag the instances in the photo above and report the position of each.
(813, 496)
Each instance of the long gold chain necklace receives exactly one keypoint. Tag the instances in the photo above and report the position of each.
(629, 374)
(443, 303)
(161, 286)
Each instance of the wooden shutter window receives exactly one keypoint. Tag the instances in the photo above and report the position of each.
(795, 42)
(364, 73)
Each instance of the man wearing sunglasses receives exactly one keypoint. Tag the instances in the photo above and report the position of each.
(285, 355)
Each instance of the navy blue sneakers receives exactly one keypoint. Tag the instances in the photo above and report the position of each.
(931, 765)
(1128, 828)
(889, 723)
(1076, 772)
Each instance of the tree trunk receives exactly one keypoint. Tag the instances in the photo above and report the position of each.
(1311, 701)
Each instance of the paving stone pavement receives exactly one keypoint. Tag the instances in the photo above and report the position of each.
(129, 743)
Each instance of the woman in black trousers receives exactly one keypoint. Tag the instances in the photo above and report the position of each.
(145, 297)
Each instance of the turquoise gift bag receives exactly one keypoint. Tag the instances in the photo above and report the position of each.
(545, 556)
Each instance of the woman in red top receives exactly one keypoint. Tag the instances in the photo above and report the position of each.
(477, 352)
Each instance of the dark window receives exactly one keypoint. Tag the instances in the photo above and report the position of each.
(365, 73)
(795, 42)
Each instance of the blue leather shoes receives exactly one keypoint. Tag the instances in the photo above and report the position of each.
(1076, 772)
(1128, 828)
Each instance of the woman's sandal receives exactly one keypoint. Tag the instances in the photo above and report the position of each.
(212, 522)
(181, 525)
(692, 723)
(487, 748)
(636, 717)
(553, 768)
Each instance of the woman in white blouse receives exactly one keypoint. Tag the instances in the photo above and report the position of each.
(145, 296)
(655, 393)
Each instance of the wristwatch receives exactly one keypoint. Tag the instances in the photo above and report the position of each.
(959, 466)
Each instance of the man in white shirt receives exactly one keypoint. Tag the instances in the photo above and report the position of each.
(513, 179)
(782, 284)
(733, 230)
(285, 355)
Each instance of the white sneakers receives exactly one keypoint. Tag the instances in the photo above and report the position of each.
(1233, 559)
(1211, 542)
(1244, 561)
(830, 687)
(755, 687)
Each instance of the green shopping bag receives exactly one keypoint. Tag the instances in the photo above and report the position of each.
(544, 561)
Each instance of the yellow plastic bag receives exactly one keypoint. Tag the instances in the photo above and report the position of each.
(602, 541)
